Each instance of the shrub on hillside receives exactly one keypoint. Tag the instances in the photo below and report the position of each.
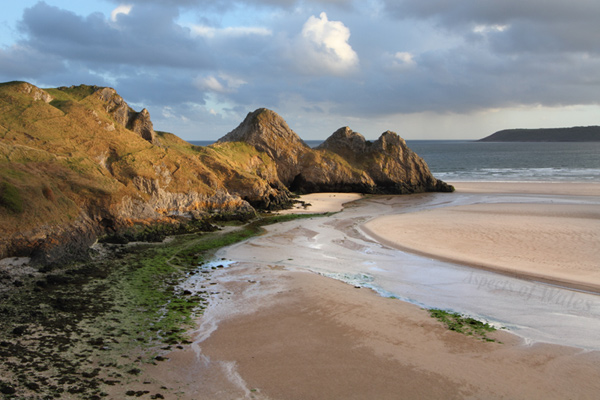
(48, 193)
(10, 198)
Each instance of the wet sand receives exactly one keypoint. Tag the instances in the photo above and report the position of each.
(557, 243)
(276, 331)
(296, 335)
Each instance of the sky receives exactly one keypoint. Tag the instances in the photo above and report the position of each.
(425, 69)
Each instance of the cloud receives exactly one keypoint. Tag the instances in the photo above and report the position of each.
(23, 61)
(513, 25)
(237, 31)
(144, 36)
(177, 3)
(183, 58)
(121, 9)
(400, 61)
(223, 5)
(224, 83)
(323, 48)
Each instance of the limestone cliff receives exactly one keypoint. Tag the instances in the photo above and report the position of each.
(345, 162)
(77, 162)
(119, 110)
(268, 132)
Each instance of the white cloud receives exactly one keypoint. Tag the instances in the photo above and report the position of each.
(489, 28)
(210, 83)
(400, 61)
(223, 83)
(323, 47)
(168, 113)
(122, 9)
(238, 31)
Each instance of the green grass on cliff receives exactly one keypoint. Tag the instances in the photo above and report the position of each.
(75, 93)
(10, 198)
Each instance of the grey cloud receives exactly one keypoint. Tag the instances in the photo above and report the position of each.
(547, 38)
(147, 36)
(152, 61)
(24, 61)
(495, 12)
(227, 4)
(463, 80)
(531, 25)
(159, 87)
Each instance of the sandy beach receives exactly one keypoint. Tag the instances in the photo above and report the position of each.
(278, 329)
(557, 243)
(322, 203)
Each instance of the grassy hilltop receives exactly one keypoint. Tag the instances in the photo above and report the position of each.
(68, 159)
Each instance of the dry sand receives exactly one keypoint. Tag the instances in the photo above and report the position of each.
(276, 333)
(558, 243)
(321, 203)
(547, 242)
(544, 188)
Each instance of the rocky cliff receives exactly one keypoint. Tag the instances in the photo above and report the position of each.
(345, 162)
(77, 162)
(269, 133)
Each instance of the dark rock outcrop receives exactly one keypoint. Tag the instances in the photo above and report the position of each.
(345, 162)
(268, 132)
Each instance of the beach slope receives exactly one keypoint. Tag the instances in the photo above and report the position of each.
(556, 243)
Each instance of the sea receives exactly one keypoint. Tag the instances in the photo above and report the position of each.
(469, 161)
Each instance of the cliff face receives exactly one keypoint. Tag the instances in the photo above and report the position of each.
(345, 162)
(269, 133)
(119, 110)
(77, 162)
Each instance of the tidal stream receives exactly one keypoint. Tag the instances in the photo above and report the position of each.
(336, 247)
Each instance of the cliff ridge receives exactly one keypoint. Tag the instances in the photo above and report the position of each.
(78, 162)
(345, 162)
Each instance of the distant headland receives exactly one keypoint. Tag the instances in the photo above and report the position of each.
(574, 134)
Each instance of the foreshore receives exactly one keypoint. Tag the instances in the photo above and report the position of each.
(277, 330)
(548, 242)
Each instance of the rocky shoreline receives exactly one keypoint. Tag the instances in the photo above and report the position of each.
(88, 330)
(81, 329)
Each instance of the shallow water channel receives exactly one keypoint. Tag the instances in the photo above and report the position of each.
(336, 247)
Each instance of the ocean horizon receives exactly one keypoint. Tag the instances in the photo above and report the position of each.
(469, 160)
